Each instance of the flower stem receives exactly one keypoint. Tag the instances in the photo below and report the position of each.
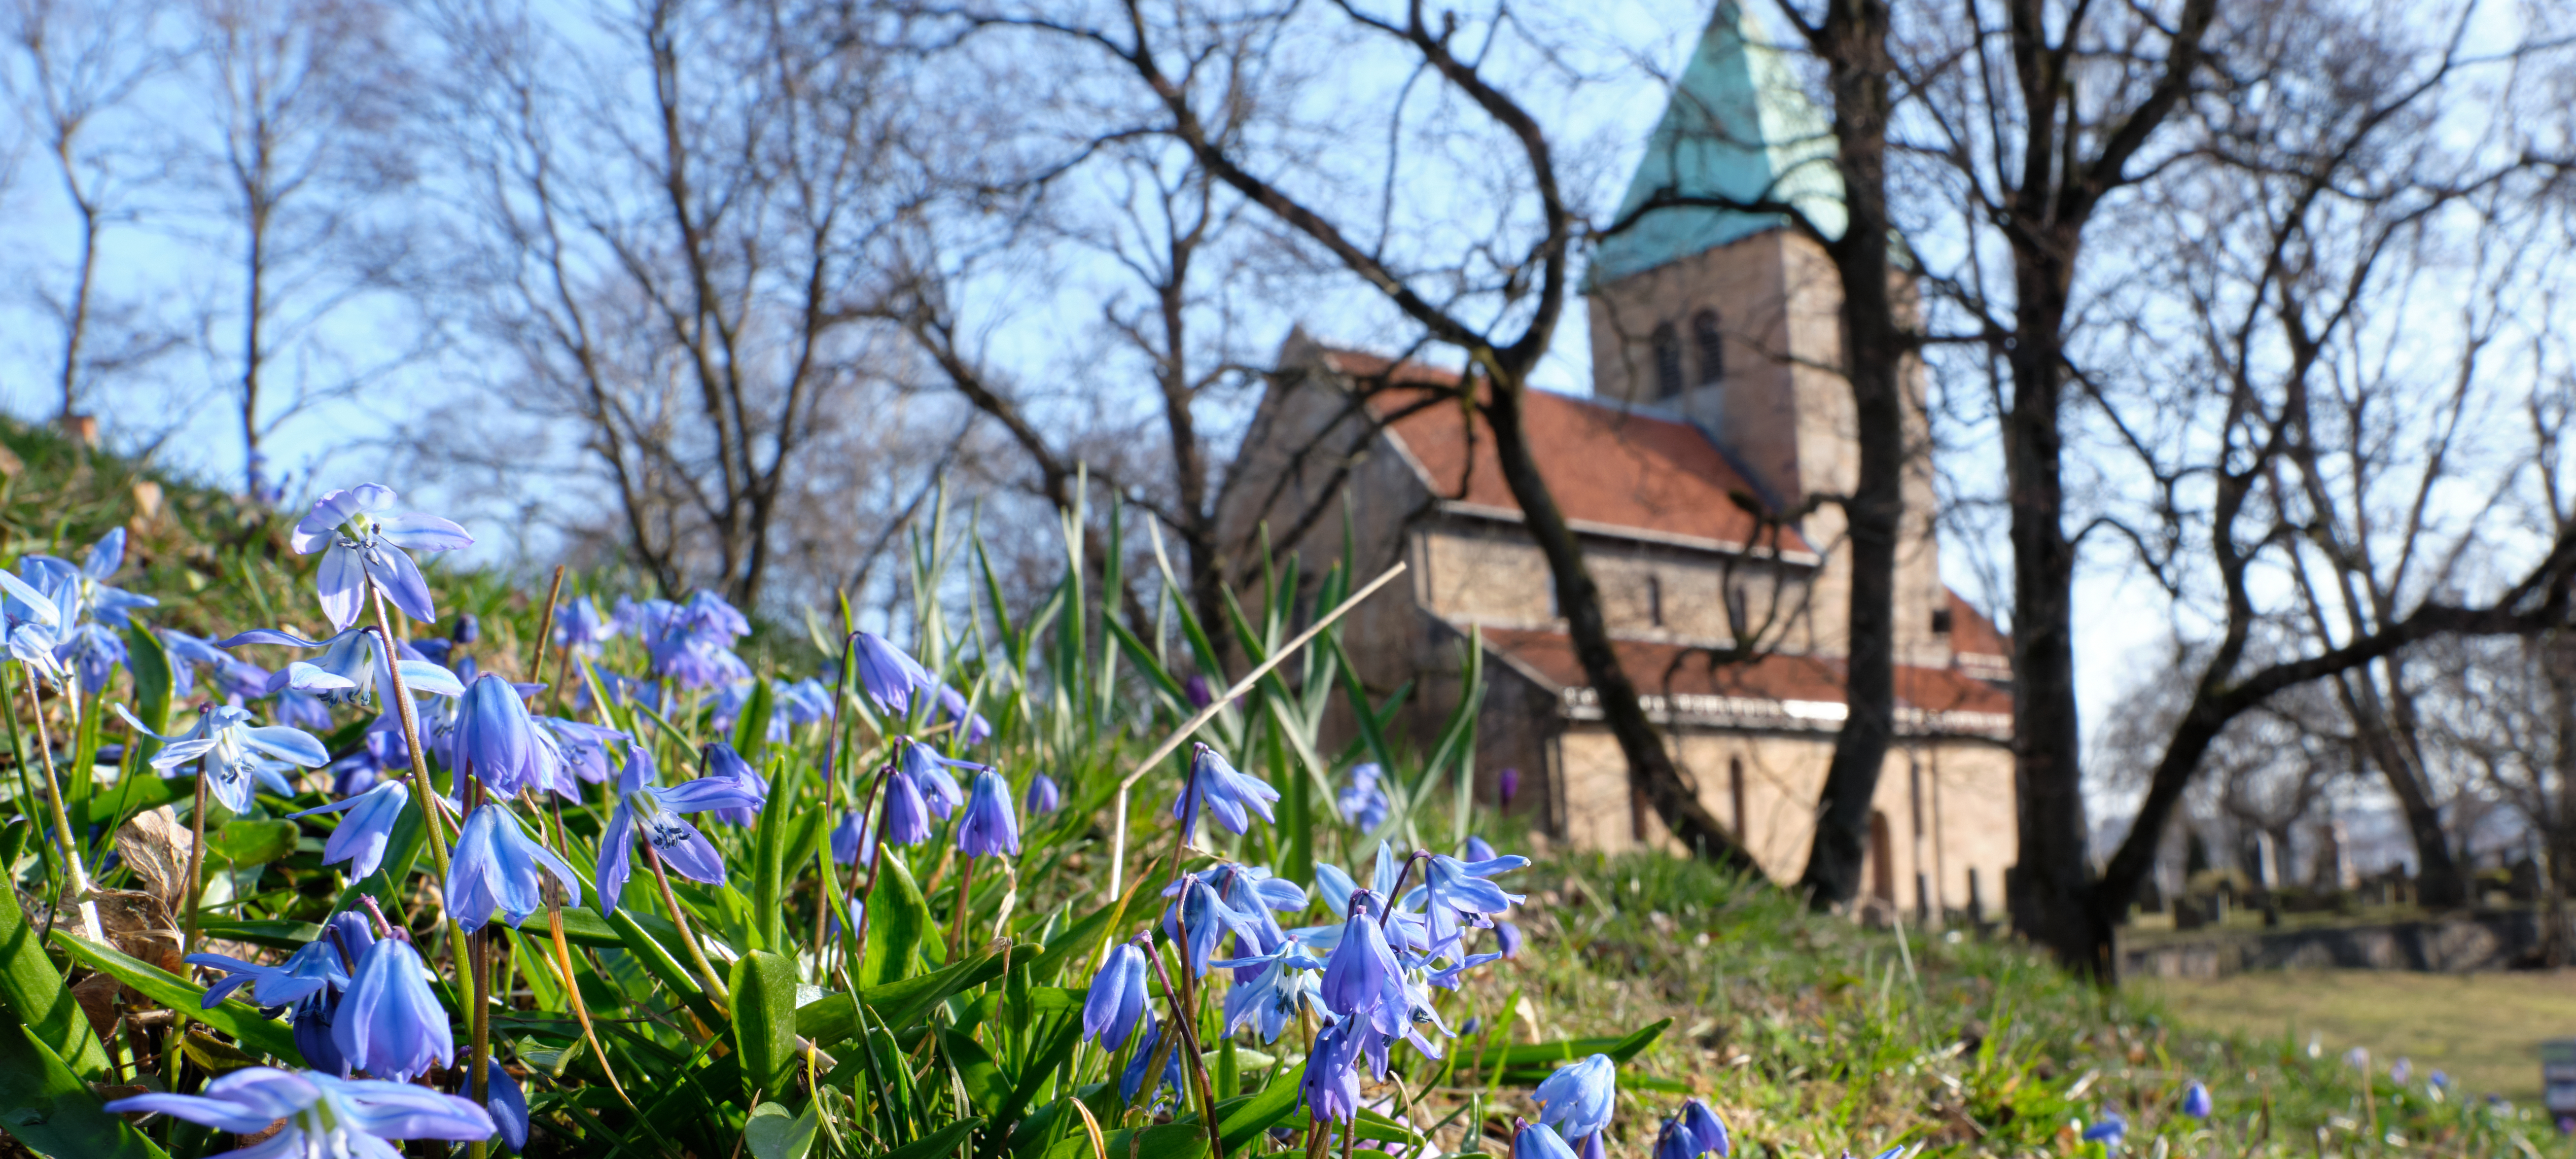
(72, 867)
(1185, 1037)
(478, 1067)
(409, 714)
(957, 923)
(832, 747)
(715, 985)
(872, 852)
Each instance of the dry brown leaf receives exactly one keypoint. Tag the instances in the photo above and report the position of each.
(158, 848)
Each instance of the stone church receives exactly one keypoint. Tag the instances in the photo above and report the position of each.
(1715, 416)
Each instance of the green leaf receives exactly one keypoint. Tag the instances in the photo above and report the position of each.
(764, 1020)
(657, 961)
(1075, 945)
(1259, 1113)
(52, 1111)
(1526, 1064)
(32, 994)
(939, 1142)
(249, 843)
(276, 934)
(769, 857)
(751, 729)
(149, 667)
(897, 920)
(1033, 1076)
(772, 1133)
(986, 1087)
(133, 795)
(242, 1022)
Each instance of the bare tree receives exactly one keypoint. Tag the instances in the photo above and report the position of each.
(684, 218)
(1496, 298)
(2244, 378)
(76, 64)
(308, 99)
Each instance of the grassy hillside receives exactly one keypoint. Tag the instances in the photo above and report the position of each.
(1809, 1034)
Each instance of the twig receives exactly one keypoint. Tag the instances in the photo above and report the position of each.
(715, 985)
(77, 872)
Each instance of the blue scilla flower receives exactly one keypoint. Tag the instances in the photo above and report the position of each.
(907, 816)
(1578, 1099)
(389, 1024)
(1477, 849)
(582, 627)
(311, 968)
(850, 838)
(82, 592)
(970, 725)
(1045, 796)
(1361, 977)
(1254, 893)
(347, 939)
(34, 625)
(1363, 802)
(323, 1116)
(1133, 1078)
(1457, 894)
(1332, 1083)
(583, 747)
(363, 541)
(1675, 1141)
(234, 753)
(1216, 786)
(656, 812)
(1705, 1127)
(1539, 1141)
(496, 741)
(1196, 905)
(804, 702)
(363, 834)
(1281, 983)
(722, 763)
(990, 826)
(503, 1100)
(187, 654)
(1507, 938)
(732, 699)
(350, 669)
(2111, 1127)
(92, 652)
(1117, 998)
(690, 644)
(929, 773)
(495, 869)
(888, 674)
(2195, 1100)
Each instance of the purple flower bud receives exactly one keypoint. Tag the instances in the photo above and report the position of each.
(989, 827)
(1044, 795)
(1117, 998)
(1332, 1084)
(889, 676)
(1507, 785)
(1579, 1098)
(1705, 1127)
(1674, 1141)
(2195, 1100)
(506, 1102)
(467, 629)
(496, 741)
(1196, 688)
(389, 1024)
(1539, 1141)
(2112, 1126)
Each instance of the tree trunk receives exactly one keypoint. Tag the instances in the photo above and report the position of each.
(1650, 768)
(2047, 890)
(1853, 41)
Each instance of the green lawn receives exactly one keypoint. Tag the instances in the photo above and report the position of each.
(2485, 1029)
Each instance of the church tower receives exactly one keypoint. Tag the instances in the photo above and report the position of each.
(1730, 320)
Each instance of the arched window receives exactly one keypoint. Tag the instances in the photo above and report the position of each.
(1735, 797)
(1655, 600)
(1712, 346)
(1668, 361)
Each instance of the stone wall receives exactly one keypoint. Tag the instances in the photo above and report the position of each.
(2487, 940)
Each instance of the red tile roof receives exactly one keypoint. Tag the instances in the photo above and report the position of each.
(1794, 691)
(1609, 467)
(1971, 633)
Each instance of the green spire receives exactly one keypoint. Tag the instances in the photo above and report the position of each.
(1738, 126)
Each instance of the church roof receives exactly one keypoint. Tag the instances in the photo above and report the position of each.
(1612, 470)
(1740, 127)
(1770, 691)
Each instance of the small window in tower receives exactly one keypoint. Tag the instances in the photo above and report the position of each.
(1712, 346)
(1655, 600)
(1668, 361)
(1738, 617)
(1940, 621)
